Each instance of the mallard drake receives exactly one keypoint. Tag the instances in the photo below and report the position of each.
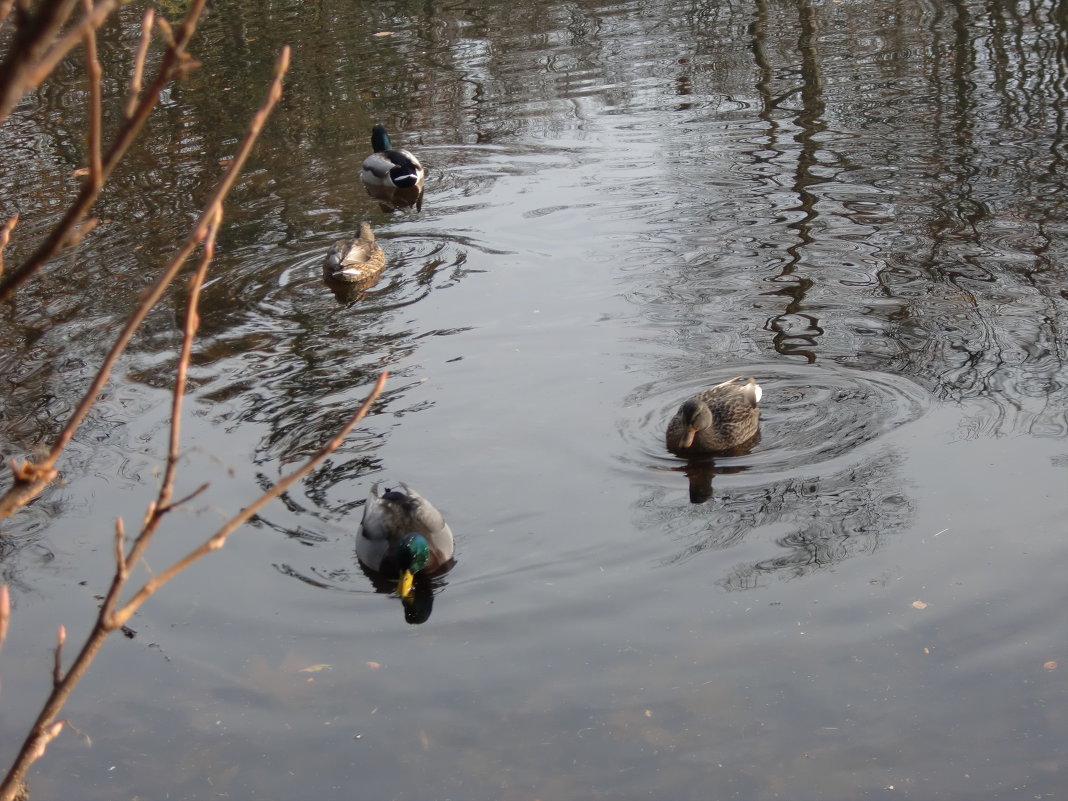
(403, 534)
(355, 260)
(717, 419)
(387, 167)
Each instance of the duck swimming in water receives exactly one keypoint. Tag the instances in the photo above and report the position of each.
(357, 260)
(403, 534)
(717, 419)
(388, 167)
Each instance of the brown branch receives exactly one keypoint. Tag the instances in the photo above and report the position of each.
(46, 728)
(218, 539)
(34, 34)
(188, 497)
(5, 612)
(32, 478)
(5, 9)
(120, 546)
(5, 237)
(175, 61)
(96, 115)
(192, 322)
(59, 51)
(139, 62)
(57, 665)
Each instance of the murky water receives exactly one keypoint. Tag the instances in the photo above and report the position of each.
(860, 204)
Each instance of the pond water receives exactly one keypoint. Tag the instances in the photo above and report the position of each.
(862, 205)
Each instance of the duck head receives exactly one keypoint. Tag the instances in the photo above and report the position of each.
(379, 139)
(697, 417)
(413, 554)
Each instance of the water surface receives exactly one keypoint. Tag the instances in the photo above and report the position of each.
(860, 204)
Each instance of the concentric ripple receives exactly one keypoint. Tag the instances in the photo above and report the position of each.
(812, 417)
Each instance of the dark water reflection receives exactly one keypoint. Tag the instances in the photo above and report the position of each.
(860, 204)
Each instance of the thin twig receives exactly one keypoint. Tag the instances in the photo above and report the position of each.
(192, 322)
(62, 47)
(46, 728)
(5, 612)
(5, 9)
(218, 539)
(5, 237)
(186, 499)
(175, 61)
(139, 62)
(32, 478)
(34, 34)
(96, 114)
(57, 665)
(120, 547)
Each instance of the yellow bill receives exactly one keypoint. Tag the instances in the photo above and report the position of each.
(404, 586)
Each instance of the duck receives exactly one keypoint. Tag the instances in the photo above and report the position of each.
(716, 420)
(403, 534)
(388, 167)
(355, 260)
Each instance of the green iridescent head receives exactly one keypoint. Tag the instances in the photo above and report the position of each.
(413, 554)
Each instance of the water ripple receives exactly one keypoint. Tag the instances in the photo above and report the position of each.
(812, 417)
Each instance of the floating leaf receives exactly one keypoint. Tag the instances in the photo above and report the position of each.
(919, 605)
(315, 668)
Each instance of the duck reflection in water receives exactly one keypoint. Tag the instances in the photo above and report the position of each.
(404, 544)
(721, 421)
(391, 198)
(700, 470)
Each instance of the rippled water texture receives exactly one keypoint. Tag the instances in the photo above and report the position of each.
(862, 205)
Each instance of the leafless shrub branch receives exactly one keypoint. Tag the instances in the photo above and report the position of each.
(139, 62)
(5, 237)
(31, 478)
(175, 63)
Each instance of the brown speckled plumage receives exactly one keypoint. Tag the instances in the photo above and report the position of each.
(355, 260)
(717, 419)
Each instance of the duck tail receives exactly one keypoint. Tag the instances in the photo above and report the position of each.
(753, 392)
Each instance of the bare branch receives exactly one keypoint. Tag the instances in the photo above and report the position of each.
(57, 666)
(175, 61)
(62, 47)
(120, 547)
(96, 114)
(192, 322)
(5, 9)
(44, 738)
(33, 35)
(32, 478)
(139, 62)
(218, 539)
(5, 612)
(5, 237)
(187, 498)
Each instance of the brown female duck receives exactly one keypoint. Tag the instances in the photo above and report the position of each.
(717, 419)
(357, 260)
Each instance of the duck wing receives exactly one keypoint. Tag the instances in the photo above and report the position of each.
(397, 167)
(348, 253)
(423, 517)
